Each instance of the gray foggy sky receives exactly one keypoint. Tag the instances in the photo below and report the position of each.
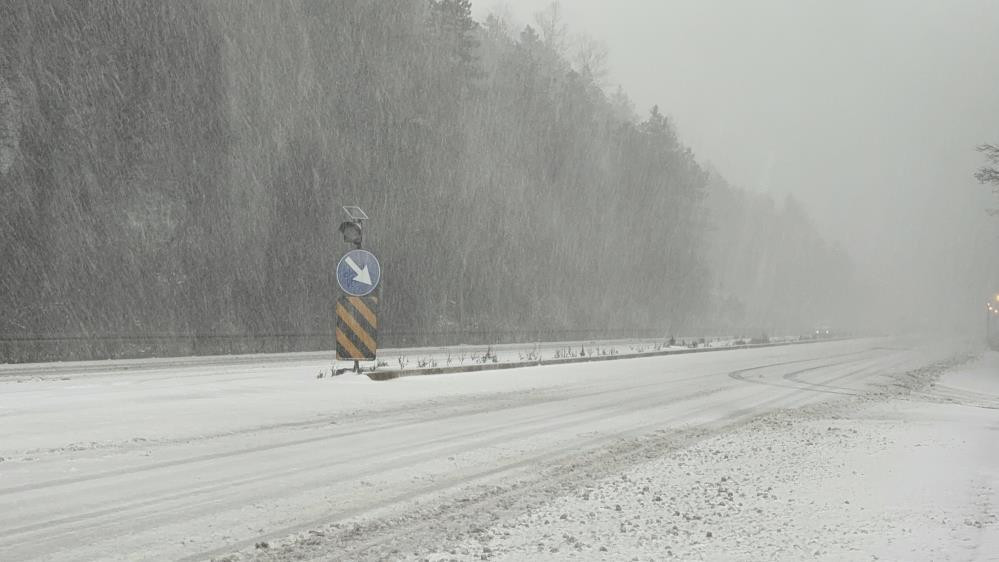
(867, 111)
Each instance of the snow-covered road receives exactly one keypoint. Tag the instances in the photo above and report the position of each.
(633, 458)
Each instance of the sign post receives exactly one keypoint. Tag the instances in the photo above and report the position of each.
(357, 273)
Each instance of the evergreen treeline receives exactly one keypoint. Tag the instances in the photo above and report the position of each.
(177, 169)
(771, 272)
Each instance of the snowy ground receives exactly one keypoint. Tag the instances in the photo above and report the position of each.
(837, 450)
(914, 477)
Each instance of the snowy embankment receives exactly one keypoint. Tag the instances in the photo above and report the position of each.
(914, 477)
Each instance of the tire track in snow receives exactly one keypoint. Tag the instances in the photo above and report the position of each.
(736, 416)
(619, 458)
(482, 438)
(611, 388)
(489, 438)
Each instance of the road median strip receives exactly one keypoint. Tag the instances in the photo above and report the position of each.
(399, 373)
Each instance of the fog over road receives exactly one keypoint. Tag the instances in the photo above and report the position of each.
(193, 461)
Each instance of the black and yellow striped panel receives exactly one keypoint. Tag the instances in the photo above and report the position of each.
(356, 328)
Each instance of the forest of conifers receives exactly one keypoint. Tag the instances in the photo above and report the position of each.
(177, 170)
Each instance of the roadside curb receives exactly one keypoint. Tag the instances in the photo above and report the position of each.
(400, 373)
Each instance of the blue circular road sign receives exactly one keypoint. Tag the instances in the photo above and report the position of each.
(358, 273)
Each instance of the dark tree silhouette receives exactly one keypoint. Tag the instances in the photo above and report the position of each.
(989, 174)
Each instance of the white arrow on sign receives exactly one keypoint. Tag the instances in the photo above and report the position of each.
(363, 275)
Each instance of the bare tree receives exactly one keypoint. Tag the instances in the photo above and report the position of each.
(591, 59)
(554, 31)
(989, 174)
